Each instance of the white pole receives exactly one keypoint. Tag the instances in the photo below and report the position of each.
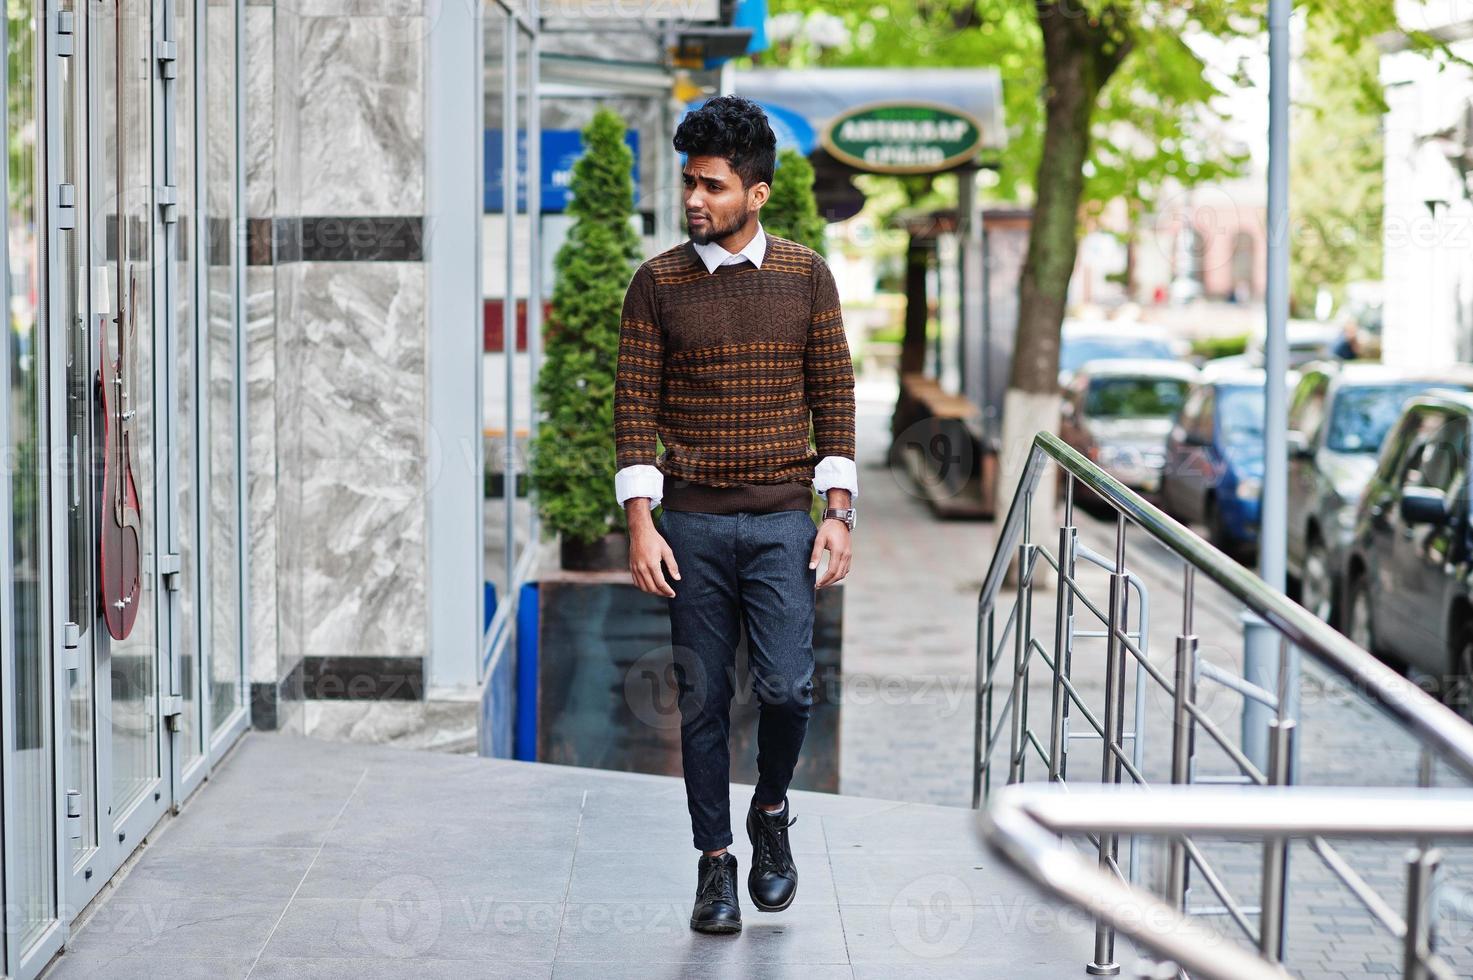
(1260, 655)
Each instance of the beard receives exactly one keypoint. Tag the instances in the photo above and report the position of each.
(715, 229)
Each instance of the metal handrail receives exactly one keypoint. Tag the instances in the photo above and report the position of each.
(1440, 731)
(1024, 822)
(1435, 724)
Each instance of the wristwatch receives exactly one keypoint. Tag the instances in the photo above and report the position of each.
(845, 514)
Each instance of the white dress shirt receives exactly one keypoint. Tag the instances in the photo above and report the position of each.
(644, 480)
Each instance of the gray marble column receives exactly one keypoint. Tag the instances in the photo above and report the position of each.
(339, 371)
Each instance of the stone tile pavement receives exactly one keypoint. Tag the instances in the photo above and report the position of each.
(304, 859)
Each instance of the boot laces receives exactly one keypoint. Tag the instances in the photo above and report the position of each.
(717, 885)
(773, 852)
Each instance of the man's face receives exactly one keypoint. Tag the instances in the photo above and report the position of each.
(716, 204)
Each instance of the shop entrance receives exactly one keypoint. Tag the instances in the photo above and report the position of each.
(138, 362)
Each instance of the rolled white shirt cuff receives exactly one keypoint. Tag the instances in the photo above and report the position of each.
(836, 471)
(640, 480)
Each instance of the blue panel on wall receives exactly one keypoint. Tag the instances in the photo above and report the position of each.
(560, 150)
(527, 625)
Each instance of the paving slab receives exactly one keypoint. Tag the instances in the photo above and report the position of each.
(350, 861)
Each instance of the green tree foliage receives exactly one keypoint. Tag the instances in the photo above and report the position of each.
(1104, 100)
(1335, 168)
(791, 211)
(572, 458)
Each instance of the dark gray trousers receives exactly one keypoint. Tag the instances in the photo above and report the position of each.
(740, 570)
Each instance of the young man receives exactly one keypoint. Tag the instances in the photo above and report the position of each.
(729, 342)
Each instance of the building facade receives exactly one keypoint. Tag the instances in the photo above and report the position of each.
(1428, 127)
(242, 425)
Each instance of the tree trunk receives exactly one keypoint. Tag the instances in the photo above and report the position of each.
(1080, 53)
(917, 308)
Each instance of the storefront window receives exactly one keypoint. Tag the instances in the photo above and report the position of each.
(185, 331)
(221, 366)
(30, 812)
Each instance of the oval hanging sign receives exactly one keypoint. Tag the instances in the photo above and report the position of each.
(902, 137)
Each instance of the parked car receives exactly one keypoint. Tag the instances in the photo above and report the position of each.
(1338, 418)
(1084, 341)
(1308, 340)
(1214, 459)
(1409, 578)
(1118, 413)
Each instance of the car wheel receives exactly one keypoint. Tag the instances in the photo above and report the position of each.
(1359, 626)
(1317, 590)
(1458, 690)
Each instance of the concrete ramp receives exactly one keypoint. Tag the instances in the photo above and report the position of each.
(304, 858)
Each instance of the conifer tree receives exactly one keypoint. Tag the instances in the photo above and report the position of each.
(572, 459)
(791, 211)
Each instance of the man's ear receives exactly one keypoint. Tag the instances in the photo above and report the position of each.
(761, 191)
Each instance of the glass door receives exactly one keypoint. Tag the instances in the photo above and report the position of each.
(28, 704)
(118, 704)
(122, 238)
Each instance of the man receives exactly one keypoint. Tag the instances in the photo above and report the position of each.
(728, 343)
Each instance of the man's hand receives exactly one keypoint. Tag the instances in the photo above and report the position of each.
(833, 536)
(647, 548)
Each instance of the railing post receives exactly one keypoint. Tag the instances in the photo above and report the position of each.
(1104, 959)
(981, 705)
(1182, 729)
(1422, 865)
(1022, 639)
(1063, 640)
(1276, 850)
(982, 781)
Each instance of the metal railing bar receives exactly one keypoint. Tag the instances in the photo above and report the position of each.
(1235, 683)
(1084, 599)
(1267, 811)
(1231, 906)
(1401, 698)
(1233, 752)
(1044, 553)
(1125, 761)
(1359, 887)
(1144, 661)
(1043, 755)
(1256, 803)
(996, 736)
(1001, 639)
(1089, 715)
(1071, 877)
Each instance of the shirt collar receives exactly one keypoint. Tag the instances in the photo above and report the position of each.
(714, 254)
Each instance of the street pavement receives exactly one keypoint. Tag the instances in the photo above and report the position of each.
(303, 859)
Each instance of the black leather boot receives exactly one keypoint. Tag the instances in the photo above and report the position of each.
(716, 895)
(773, 880)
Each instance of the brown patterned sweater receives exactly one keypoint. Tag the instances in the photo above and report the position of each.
(726, 368)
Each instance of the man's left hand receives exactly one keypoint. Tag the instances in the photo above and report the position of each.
(833, 537)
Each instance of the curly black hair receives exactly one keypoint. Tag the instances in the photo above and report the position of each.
(735, 128)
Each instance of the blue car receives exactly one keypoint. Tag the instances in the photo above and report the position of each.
(1214, 459)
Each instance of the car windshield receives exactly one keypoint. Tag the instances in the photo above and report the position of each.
(1134, 398)
(1240, 413)
(1079, 351)
(1363, 414)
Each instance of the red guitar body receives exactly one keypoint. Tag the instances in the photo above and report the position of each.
(120, 538)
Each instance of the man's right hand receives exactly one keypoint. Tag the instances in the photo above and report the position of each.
(647, 549)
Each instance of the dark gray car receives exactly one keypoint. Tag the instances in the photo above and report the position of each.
(1339, 416)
